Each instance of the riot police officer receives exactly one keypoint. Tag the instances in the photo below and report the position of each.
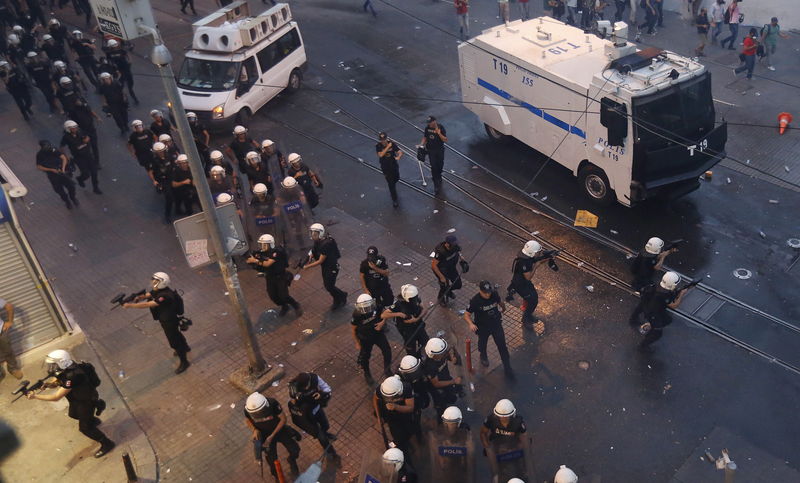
(39, 71)
(140, 143)
(411, 372)
(78, 383)
(308, 396)
(261, 213)
(241, 145)
(407, 312)
(172, 148)
(443, 387)
(374, 274)
(202, 139)
(61, 69)
(447, 256)
(183, 187)
(114, 101)
(565, 475)
(54, 51)
(216, 158)
(83, 114)
(166, 306)
(368, 326)
(54, 164)
(17, 87)
(272, 261)
(325, 252)
(79, 145)
(522, 269)
(503, 428)
(265, 417)
(484, 316)
(58, 32)
(388, 155)
(160, 124)
(402, 468)
(84, 50)
(119, 57)
(272, 157)
(393, 402)
(218, 181)
(646, 263)
(651, 315)
(160, 171)
(433, 142)
(257, 171)
(306, 178)
(67, 94)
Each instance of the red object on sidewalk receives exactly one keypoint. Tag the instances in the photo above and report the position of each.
(784, 119)
(279, 471)
(469, 355)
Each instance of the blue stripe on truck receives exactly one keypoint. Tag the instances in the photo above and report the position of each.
(535, 110)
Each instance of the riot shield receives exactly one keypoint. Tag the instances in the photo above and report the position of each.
(261, 220)
(374, 470)
(508, 459)
(294, 217)
(452, 453)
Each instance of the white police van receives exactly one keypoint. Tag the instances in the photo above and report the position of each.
(630, 124)
(237, 63)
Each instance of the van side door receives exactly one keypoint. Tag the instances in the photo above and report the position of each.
(248, 78)
(266, 60)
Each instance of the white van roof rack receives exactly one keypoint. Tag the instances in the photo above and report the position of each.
(232, 28)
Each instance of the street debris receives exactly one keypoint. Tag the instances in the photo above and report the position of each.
(435, 211)
(774, 202)
(614, 232)
(472, 387)
(73, 246)
(188, 435)
(590, 288)
(276, 383)
(407, 264)
(583, 365)
(667, 387)
(793, 243)
(586, 218)
(233, 405)
(294, 344)
(728, 180)
(297, 276)
(544, 198)
(308, 331)
(762, 234)
(214, 407)
(399, 47)
(121, 374)
(742, 273)
(451, 230)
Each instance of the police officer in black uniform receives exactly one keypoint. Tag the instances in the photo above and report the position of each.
(67, 94)
(119, 57)
(83, 114)
(17, 86)
(58, 32)
(55, 164)
(114, 101)
(166, 306)
(160, 125)
(389, 154)
(39, 71)
(272, 261)
(268, 150)
(648, 262)
(160, 171)
(393, 402)
(522, 269)
(505, 426)
(257, 171)
(61, 69)
(368, 326)
(54, 50)
(202, 139)
(241, 145)
(140, 143)
(80, 389)
(306, 178)
(484, 316)
(443, 387)
(183, 187)
(651, 316)
(326, 253)
(308, 396)
(447, 256)
(407, 312)
(84, 50)
(374, 274)
(265, 417)
(79, 145)
(411, 371)
(433, 142)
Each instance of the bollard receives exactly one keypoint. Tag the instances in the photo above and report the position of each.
(469, 355)
(279, 471)
(126, 460)
(730, 472)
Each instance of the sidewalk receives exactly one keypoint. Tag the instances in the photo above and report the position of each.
(51, 448)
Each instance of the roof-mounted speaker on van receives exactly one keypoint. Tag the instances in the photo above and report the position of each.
(231, 28)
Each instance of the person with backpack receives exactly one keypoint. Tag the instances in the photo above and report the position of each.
(733, 17)
(769, 39)
(166, 306)
(78, 382)
(748, 55)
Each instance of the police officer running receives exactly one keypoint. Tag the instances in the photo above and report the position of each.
(166, 306)
(326, 253)
(433, 142)
(80, 146)
(368, 325)
(484, 316)
(651, 315)
(78, 383)
(407, 312)
(265, 417)
(374, 274)
(646, 263)
(522, 269)
(272, 261)
(55, 165)
(444, 389)
(447, 255)
(388, 155)
(308, 396)
(393, 402)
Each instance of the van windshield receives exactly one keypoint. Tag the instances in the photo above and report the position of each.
(208, 75)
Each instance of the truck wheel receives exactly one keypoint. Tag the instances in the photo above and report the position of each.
(595, 185)
(243, 118)
(295, 79)
(495, 134)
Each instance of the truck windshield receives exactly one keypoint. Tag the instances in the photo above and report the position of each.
(208, 75)
(684, 111)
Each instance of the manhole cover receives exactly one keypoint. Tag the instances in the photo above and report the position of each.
(742, 273)
(583, 365)
(793, 242)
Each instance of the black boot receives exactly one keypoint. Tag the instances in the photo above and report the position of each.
(183, 365)
(105, 447)
(293, 468)
(99, 406)
(284, 310)
(368, 379)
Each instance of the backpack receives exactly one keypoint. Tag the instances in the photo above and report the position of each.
(91, 373)
(768, 28)
(727, 17)
(179, 309)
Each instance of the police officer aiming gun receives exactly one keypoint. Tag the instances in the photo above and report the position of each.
(651, 315)
(308, 396)
(272, 261)
(648, 262)
(523, 268)
(166, 306)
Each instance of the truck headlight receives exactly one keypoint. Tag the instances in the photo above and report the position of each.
(218, 112)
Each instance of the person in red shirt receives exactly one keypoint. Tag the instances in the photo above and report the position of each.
(748, 55)
(462, 9)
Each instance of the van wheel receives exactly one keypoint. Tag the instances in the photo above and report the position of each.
(295, 79)
(496, 135)
(243, 118)
(595, 185)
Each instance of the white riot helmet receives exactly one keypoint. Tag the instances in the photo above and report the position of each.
(408, 292)
(32, 54)
(156, 112)
(654, 246)
(252, 157)
(223, 198)
(289, 182)
(215, 156)
(294, 159)
(165, 138)
(13, 39)
(239, 130)
(408, 364)
(77, 34)
(266, 239)
(47, 37)
(255, 402)
(394, 456)
(54, 21)
(670, 280)
(190, 116)
(58, 360)
(452, 415)
(69, 125)
(365, 304)
(266, 143)
(392, 386)
(158, 147)
(565, 475)
(318, 229)
(435, 347)
(137, 123)
(160, 280)
(112, 44)
(217, 172)
(60, 65)
(4, 65)
(182, 158)
(504, 409)
(515, 480)
(17, 29)
(260, 189)
(64, 81)
(531, 248)
(104, 76)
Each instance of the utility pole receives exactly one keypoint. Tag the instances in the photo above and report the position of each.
(162, 58)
